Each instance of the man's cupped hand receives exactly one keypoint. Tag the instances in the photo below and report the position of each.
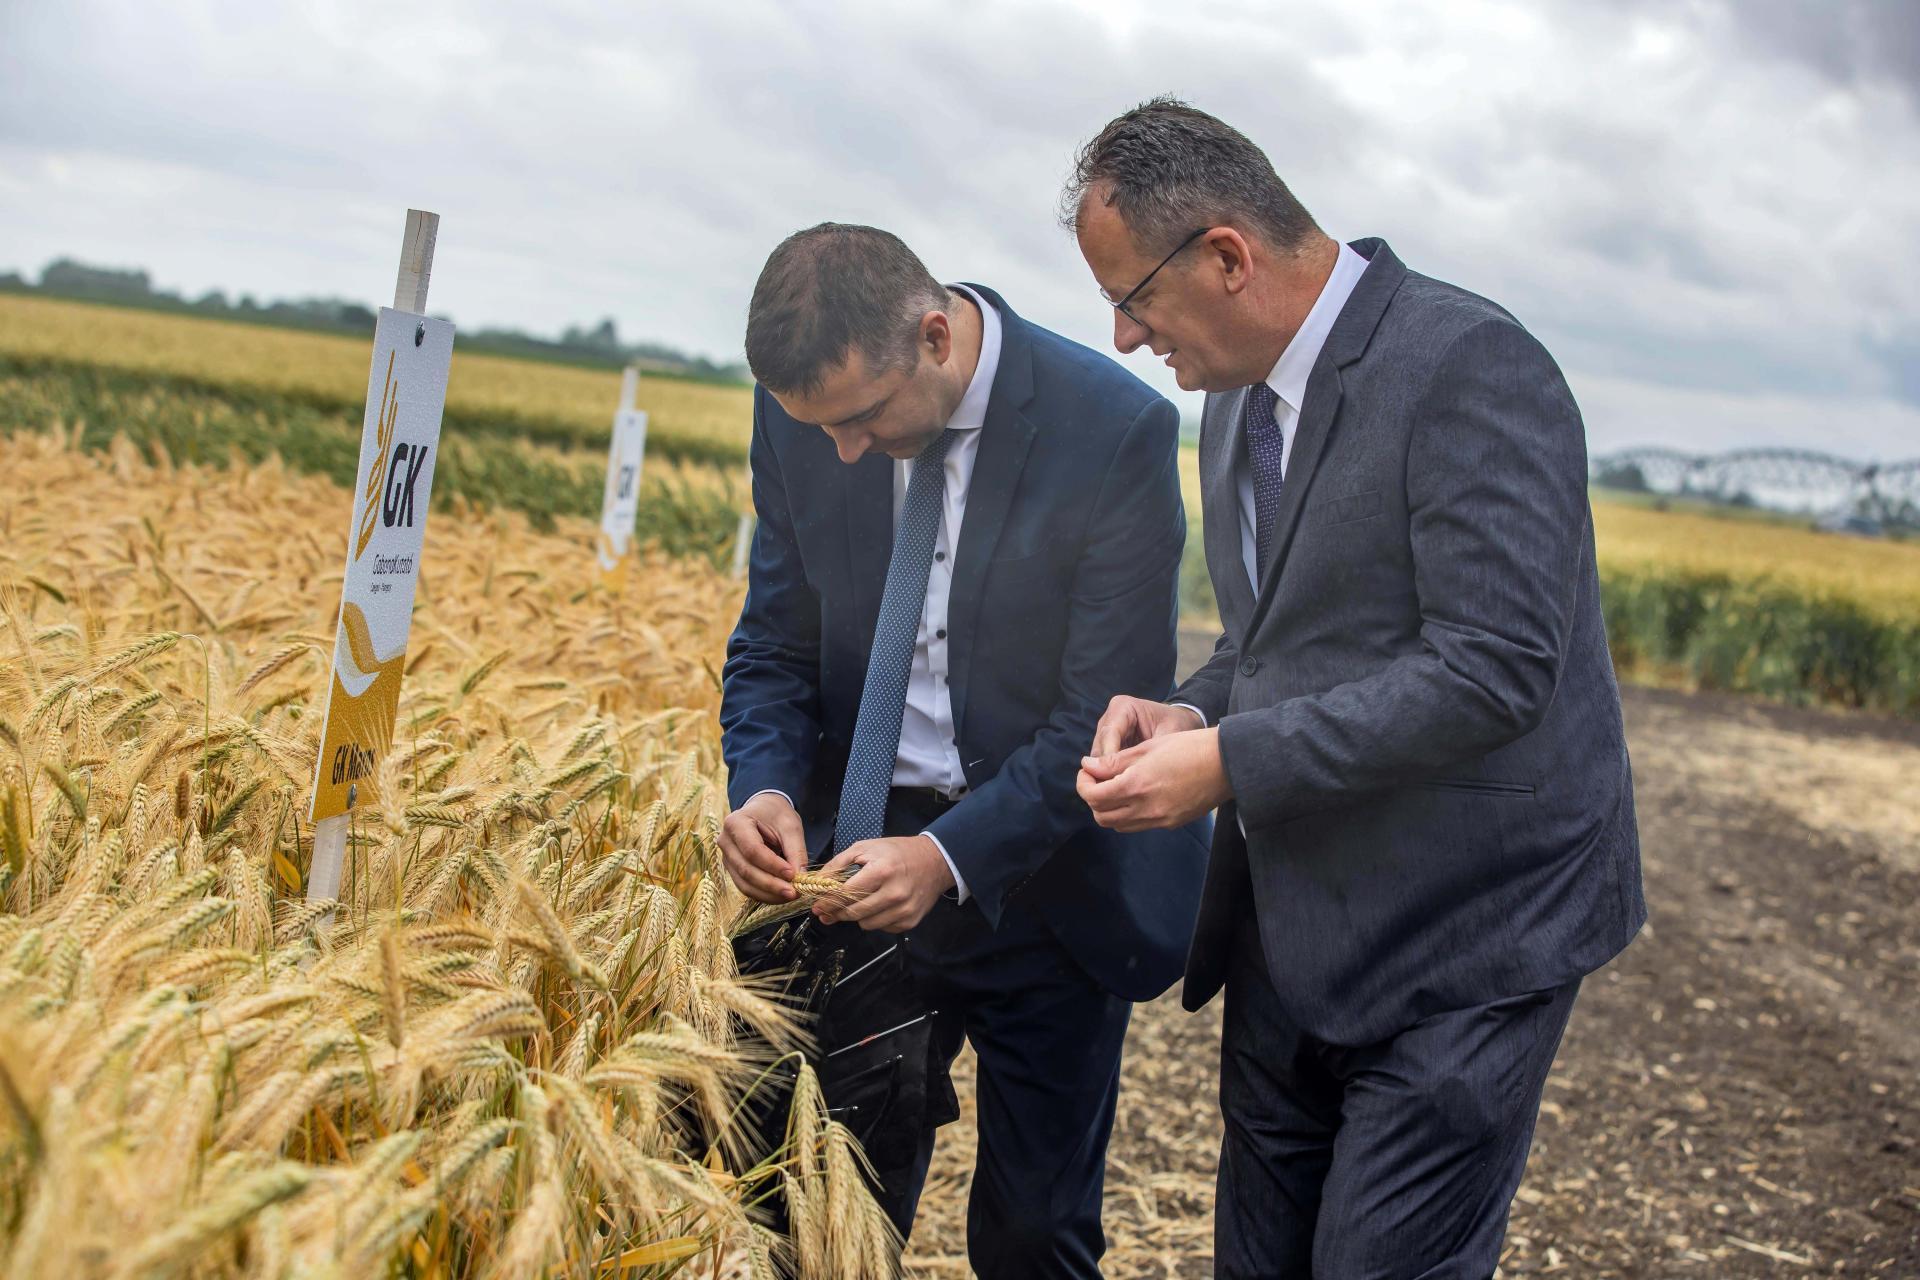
(1152, 766)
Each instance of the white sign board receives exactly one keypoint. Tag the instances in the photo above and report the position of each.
(622, 499)
(399, 443)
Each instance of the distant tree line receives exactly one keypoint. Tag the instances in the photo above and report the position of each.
(598, 345)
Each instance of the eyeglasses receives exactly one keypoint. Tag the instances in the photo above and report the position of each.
(1121, 306)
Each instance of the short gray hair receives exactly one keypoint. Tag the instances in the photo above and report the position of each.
(1169, 169)
(830, 290)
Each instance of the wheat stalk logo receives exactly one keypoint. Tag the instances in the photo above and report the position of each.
(383, 437)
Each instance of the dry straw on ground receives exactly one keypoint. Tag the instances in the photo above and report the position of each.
(520, 1046)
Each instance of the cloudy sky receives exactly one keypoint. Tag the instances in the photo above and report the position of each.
(1710, 212)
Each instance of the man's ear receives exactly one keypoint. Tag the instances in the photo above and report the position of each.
(936, 335)
(1229, 255)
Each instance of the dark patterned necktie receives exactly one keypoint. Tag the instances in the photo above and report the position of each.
(1266, 447)
(883, 699)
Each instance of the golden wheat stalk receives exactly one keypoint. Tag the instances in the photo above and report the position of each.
(134, 654)
(212, 1082)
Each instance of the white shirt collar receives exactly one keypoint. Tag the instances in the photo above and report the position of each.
(1290, 372)
(971, 413)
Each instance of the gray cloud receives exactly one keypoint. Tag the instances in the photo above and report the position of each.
(1847, 43)
(1850, 42)
(1709, 213)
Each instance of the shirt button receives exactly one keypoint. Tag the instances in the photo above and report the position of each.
(939, 555)
(1249, 665)
(941, 634)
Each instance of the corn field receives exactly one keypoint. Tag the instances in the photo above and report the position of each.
(515, 1046)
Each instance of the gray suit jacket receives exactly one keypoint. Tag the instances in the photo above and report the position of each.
(1417, 710)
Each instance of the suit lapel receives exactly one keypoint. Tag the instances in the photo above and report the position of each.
(1345, 344)
(1309, 439)
(869, 533)
(1221, 428)
(1006, 437)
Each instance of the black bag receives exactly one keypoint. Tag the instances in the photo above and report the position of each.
(876, 1053)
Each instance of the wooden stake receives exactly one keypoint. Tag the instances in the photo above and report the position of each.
(629, 387)
(416, 261)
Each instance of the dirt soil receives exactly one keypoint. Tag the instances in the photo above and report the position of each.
(1737, 1094)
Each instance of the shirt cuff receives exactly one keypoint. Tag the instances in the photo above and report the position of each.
(1190, 707)
(959, 885)
(771, 791)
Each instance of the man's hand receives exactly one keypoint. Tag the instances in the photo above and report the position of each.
(764, 846)
(899, 880)
(1166, 781)
(1128, 722)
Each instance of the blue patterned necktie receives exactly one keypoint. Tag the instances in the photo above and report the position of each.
(883, 699)
(1266, 448)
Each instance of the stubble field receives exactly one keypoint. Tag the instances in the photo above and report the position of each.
(1736, 1097)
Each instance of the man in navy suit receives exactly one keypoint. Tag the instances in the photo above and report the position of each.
(968, 545)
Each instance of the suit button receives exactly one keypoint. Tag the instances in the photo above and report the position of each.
(1249, 665)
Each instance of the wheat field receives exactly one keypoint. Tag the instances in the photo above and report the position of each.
(515, 1046)
(1880, 576)
(333, 368)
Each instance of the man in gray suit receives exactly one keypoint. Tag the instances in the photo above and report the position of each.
(1409, 724)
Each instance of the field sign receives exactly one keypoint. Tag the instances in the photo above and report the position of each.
(743, 533)
(399, 443)
(621, 502)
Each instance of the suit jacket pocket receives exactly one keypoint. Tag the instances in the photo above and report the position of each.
(1346, 509)
(1041, 561)
(1478, 787)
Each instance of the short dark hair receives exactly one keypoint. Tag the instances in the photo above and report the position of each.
(1170, 169)
(831, 289)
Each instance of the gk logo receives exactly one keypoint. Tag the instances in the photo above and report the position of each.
(398, 506)
(351, 761)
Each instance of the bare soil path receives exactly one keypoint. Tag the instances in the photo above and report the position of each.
(1738, 1094)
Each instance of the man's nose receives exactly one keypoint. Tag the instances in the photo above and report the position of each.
(851, 445)
(1128, 333)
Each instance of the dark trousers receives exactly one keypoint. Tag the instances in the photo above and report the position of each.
(1391, 1161)
(1047, 1040)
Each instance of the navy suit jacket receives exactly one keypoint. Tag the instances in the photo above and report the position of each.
(1064, 594)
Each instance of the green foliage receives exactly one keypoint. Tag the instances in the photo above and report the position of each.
(1754, 636)
(1721, 632)
(1196, 584)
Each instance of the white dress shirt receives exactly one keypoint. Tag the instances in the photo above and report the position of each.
(1289, 383)
(929, 756)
